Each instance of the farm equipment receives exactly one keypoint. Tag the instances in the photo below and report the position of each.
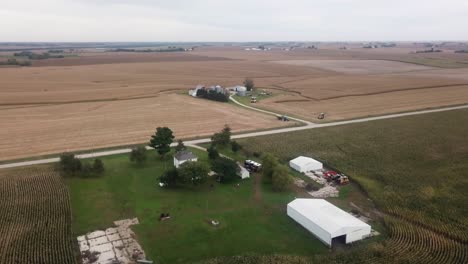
(341, 179)
(252, 166)
(321, 116)
(328, 175)
(282, 118)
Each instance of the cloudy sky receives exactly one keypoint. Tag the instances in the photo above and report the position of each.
(239, 20)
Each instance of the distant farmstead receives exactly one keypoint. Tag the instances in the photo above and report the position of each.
(183, 156)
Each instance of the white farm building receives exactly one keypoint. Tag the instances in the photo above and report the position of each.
(183, 156)
(327, 222)
(303, 164)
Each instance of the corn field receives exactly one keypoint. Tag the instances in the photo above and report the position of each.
(35, 218)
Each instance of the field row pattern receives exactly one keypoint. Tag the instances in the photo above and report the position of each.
(35, 223)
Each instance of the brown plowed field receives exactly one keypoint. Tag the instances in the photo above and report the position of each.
(70, 127)
(105, 99)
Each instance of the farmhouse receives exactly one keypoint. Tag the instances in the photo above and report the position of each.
(327, 222)
(303, 164)
(182, 157)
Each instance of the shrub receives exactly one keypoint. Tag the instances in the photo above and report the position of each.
(69, 164)
(98, 166)
(235, 146)
(138, 154)
(212, 153)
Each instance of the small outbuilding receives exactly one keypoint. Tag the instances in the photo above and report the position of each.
(327, 222)
(184, 156)
(243, 173)
(304, 164)
(241, 90)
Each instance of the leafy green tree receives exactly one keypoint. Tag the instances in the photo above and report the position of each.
(249, 84)
(226, 168)
(180, 145)
(212, 153)
(281, 178)
(170, 177)
(69, 164)
(86, 170)
(162, 140)
(235, 146)
(222, 138)
(98, 166)
(192, 172)
(138, 154)
(269, 163)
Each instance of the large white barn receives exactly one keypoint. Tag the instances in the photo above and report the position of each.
(303, 164)
(327, 222)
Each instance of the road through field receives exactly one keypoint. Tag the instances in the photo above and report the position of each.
(308, 125)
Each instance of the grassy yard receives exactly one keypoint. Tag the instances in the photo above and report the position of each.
(413, 168)
(247, 225)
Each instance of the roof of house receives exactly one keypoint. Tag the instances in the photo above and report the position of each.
(304, 161)
(326, 215)
(184, 155)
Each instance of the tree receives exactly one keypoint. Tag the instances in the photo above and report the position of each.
(170, 177)
(138, 154)
(249, 84)
(162, 140)
(69, 164)
(180, 145)
(192, 172)
(269, 163)
(226, 168)
(98, 166)
(281, 178)
(235, 146)
(212, 153)
(222, 138)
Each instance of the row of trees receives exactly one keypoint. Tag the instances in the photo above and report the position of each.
(12, 61)
(213, 95)
(71, 166)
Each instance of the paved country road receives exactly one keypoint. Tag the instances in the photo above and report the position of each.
(191, 143)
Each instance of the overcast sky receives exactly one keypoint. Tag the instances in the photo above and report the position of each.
(240, 20)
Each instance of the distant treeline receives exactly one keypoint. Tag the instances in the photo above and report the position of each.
(461, 51)
(212, 95)
(15, 62)
(37, 56)
(169, 49)
(429, 51)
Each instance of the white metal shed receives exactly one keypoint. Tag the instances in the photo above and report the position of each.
(303, 164)
(326, 221)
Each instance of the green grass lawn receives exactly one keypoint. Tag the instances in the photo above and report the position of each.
(247, 226)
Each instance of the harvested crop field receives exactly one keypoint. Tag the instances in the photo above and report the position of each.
(46, 129)
(104, 99)
(370, 105)
(358, 66)
(35, 218)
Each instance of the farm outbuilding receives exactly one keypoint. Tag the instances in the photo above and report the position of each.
(327, 222)
(184, 156)
(243, 173)
(303, 164)
(241, 90)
